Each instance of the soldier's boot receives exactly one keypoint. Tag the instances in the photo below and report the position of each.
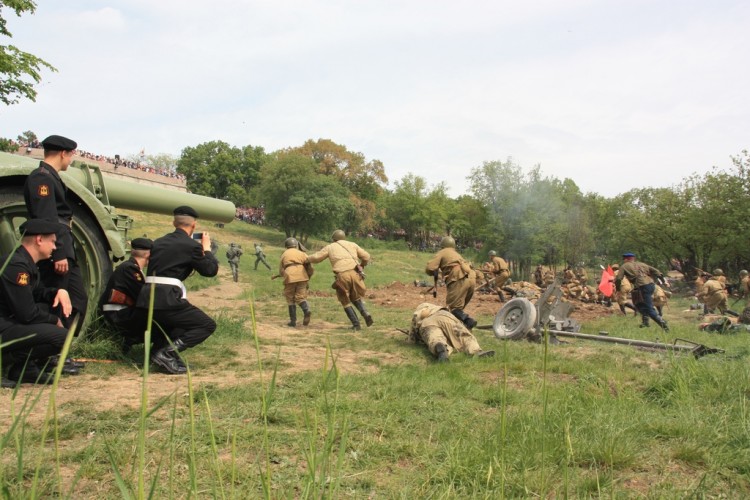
(622, 309)
(630, 305)
(501, 295)
(306, 311)
(467, 320)
(662, 323)
(349, 310)
(442, 353)
(180, 346)
(732, 313)
(168, 360)
(292, 315)
(7, 384)
(28, 373)
(644, 322)
(361, 308)
(236, 276)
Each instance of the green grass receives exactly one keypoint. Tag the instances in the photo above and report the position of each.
(375, 416)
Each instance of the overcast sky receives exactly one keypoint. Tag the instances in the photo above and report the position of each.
(612, 94)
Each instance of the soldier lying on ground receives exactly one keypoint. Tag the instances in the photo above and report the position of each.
(443, 333)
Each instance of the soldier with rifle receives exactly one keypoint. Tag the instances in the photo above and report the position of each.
(443, 333)
(501, 272)
(347, 261)
(296, 269)
(642, 277)
(234, 252)
(459, 277)
(260, 256)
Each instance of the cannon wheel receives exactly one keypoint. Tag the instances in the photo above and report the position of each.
(515, 319)
(93, 257)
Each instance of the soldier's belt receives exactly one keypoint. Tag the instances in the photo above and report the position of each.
(113, 307)
(159, 280)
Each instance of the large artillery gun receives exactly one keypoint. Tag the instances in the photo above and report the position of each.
(520, 319)
(100, 233)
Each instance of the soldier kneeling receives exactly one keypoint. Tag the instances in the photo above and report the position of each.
(443, 333)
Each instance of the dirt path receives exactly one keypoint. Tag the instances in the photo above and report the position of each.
(301, 350)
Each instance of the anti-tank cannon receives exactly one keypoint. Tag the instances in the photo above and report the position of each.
(520, 319)
(100, 233)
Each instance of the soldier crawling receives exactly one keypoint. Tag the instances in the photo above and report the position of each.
(443, 333)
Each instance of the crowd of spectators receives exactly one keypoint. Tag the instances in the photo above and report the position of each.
(252, 215)
(118, 162)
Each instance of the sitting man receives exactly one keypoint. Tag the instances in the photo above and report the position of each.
(25, 305)
(117, 303)
(174, 257)
(442, 333)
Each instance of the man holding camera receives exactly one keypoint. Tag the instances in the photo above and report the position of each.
(174, 257)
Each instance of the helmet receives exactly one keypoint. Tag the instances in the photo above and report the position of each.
(447, 242)
(291, 243)
(744, 272)
(492, 253)
(718, 272)
(615, 267)
(338, 235)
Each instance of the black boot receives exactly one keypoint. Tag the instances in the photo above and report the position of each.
(292, 315)
(501, 295)
(28, 373)
(349, 310)
(732, 313)
(485, 354)
(442, 353)
(662, 323)
(306, 310)
(361, 308)
(168, 360)
(7, 384)
(644, 322)
(467, 320)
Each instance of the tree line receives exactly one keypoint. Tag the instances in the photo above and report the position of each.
(528, 217)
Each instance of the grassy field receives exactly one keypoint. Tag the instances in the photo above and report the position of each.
(275, 412)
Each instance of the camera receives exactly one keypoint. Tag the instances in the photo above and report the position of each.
(198, 236)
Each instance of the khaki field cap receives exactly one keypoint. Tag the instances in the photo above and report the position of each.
(447, 242)
(338, 235)
(291, 243)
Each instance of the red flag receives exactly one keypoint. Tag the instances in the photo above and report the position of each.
(606, 285)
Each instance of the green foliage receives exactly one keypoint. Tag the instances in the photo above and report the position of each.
(222, 171)
(17, 66)
(27, 137)
(7, 145)
(298, 199)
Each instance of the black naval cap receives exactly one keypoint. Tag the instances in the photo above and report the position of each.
(141, 244)
(39, 226)
(58, 143)
(186, 210)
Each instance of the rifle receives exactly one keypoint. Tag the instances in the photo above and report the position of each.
(486, 283)
(434, 287)
(275, 276)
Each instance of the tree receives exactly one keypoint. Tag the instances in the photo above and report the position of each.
(17, 66)
(222, 171)
(27, 137)
(7, 145)
(298, 199)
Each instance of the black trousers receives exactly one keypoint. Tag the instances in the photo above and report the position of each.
(130, 323)
(46, 340)
(73, 283)
(188, 323)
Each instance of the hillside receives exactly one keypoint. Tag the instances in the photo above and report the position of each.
(323, 409)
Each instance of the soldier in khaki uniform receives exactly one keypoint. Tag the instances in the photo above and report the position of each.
(443, 333)
(459, 277)
(713, 294)
(641, 276)
(296, 270)
(347, 260)
(500, 272)
(621, 295)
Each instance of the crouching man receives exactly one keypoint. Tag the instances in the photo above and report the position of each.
(25, 307)
(174, 257)
(117, 303)
(443, 333)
